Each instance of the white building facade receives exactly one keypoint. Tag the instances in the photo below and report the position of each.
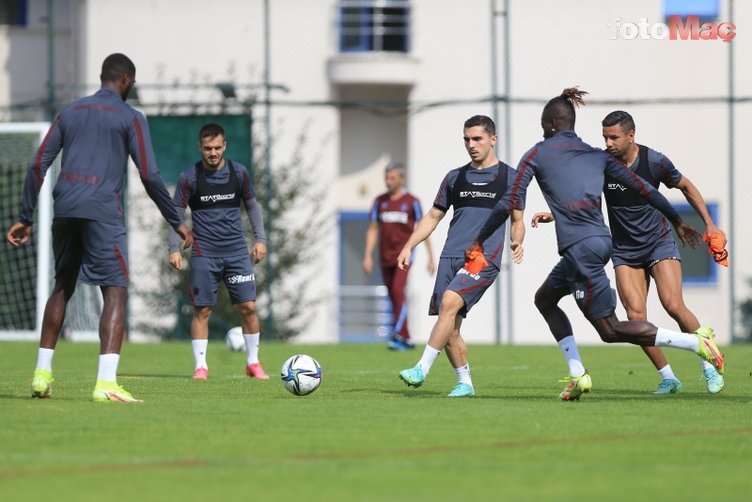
(383, 80)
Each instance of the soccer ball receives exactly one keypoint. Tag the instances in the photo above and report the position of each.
(235, 339)
(301, 374)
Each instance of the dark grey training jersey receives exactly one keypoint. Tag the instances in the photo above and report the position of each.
(473, 193)
(571, 175)
(636, 225)
(217, 227)
(96, 134)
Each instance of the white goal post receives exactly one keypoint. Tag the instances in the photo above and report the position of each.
(42, 227)
(27, 273)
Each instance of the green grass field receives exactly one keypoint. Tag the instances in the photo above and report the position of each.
(365, 436)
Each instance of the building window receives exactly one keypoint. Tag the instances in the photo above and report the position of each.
(708, 10)
(13, 12)
(374, 25)
(365, 311)
(698, 267)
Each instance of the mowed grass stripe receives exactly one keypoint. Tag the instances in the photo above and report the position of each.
(364, 435)
(137, 464)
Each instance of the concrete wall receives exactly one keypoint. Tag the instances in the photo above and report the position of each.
(553, 45)
(24, 59)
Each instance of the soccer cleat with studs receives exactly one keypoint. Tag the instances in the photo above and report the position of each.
(669, 386)
(708, 350)
(713, 379)
(256, 371)
(111, 392)
(41, 384)
(413, 377)
(462, 390)
(576, 386)
(399, 344)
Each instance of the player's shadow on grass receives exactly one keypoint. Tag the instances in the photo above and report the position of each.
(411, 393)
(486, 394)
(17, 397)
(647, 394)
(137, 376)
(545, 394)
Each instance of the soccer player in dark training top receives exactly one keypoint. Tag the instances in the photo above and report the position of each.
(643, 244)
(214, 188)
(571, 176)
(472, 191)
(96, 134)
(394, 215)
(644, 247)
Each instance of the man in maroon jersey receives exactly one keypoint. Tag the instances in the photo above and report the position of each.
(393, 217)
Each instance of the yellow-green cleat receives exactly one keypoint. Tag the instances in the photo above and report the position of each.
(41, 384)
(708, 350)
(111, 392)
(576, 386)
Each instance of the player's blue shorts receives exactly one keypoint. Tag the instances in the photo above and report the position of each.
(662, 249)
(582, 271)
(95, 251)
(208, 272)
(451, 275)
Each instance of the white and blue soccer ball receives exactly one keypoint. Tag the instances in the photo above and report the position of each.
(301, 374)
(235, 339)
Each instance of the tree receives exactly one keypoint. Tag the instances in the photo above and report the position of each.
(293, 196)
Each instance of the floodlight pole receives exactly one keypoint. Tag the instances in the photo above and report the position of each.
(50, 61)
(495, 116)
(268, 167)
(507, 264)
(508, 155)
(731, 182)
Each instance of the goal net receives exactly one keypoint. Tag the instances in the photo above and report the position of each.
(28, 271)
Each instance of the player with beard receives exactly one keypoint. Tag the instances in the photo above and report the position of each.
(214, 188)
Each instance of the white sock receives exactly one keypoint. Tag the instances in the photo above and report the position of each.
(199, 352)
(676, 339)
(705, 365)
(252, 347)
(569, 350)
(429, 356)
(463, 375)
(108, 365)
(44, 359)
(667, 373)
